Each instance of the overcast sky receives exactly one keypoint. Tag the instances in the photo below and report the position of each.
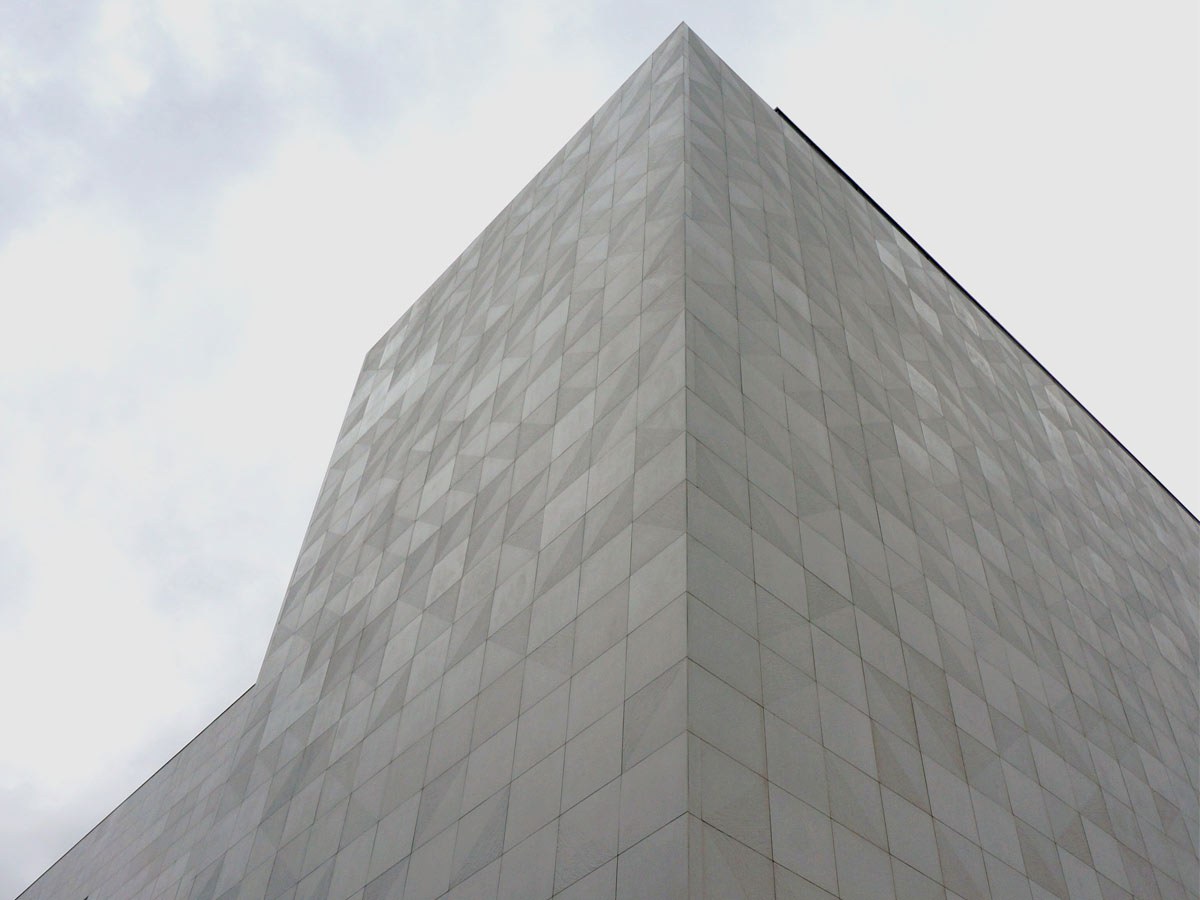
(209, 212)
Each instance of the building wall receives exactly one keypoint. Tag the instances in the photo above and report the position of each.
(466, 687)
(138, 848)
(942, 630)
(694, 533)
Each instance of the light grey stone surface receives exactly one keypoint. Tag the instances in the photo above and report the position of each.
(695, 535)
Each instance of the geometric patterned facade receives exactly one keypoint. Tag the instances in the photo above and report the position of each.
(694, 535)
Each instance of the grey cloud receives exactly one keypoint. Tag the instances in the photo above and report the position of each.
(154, 161)
(160, 158)
(185, 139)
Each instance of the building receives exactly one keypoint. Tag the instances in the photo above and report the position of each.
(695, 534)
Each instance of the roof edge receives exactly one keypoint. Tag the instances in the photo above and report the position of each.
(929, 256)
